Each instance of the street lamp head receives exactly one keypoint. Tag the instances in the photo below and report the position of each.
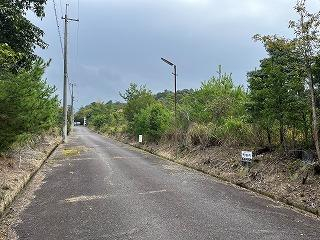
(167, 62)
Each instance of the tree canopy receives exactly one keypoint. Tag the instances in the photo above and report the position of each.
(18, 32)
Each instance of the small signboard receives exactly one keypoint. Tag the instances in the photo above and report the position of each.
(246, 156)
(140, 138)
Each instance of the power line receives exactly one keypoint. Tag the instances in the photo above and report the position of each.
(78, 26)
(58, 27)
(69, 83)
(78, 8)
(61, 11)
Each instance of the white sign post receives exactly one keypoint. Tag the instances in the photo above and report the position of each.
(140, 138)
(246, 157)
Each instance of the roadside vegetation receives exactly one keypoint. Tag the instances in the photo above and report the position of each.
(279, 108)
(276, 116)
(28, 105)
(29, 109)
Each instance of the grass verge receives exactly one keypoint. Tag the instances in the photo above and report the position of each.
(19, 166)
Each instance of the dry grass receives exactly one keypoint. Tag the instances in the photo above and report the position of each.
(70, 152)
(18, 165)
(74, 151)
(271, 174)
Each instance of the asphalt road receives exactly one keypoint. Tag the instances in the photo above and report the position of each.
(112, 191)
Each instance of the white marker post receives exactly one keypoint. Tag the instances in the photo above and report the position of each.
(140, 138)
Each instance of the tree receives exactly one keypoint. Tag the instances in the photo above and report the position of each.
(36, 6)
(153, 121)
(137, 98)
(307, 37)
(18, 32)
(257, 106)
(216, 100)
(27, 104)
(277, 88)
(105, 117)
(8, 58)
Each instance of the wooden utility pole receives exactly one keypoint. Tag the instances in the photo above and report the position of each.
(65, 76)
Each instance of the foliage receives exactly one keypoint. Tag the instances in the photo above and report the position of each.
(36, 6)
(18, 32)
(137, 98)
(27, 104)
(152, 122)
(104, 117)
(205, 116)
(277, 91)
(237, 132)
(204, 135)
(216, 100)
(307, 38)
(286, 81)
(8, 58)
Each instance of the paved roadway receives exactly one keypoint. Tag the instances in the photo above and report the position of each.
(112, 191)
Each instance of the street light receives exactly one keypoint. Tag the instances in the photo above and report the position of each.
(175, 101)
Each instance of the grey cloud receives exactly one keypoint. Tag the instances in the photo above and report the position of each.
(121, 41)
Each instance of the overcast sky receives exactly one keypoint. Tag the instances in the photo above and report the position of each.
(122, 41)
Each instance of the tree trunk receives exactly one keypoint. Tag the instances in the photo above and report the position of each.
(293, 137)
(314, 117)
(281, 132)
(306, 130)
(269, 136)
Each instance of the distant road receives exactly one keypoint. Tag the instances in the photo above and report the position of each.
(112, 191)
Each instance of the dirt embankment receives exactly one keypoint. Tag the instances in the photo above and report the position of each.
(272, 174)
(19, 165)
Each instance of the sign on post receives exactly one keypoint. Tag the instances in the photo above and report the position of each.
(140, 138)
(246, 156)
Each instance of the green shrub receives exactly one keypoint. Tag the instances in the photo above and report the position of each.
(203, 135)
(236, 132)
(152, 122)
(138, 99)
(27, 105)
(98, 121)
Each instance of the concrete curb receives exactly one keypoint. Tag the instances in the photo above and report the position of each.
(299, 207)
(5, 204)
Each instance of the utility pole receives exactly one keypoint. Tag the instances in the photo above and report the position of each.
(65, 76)
(175, 110)
(72, 107)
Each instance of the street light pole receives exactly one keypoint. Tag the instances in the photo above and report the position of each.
(175, 104)
(175, 109)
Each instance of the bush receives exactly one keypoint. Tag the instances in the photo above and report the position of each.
(138, 99)
(152, 122)
(203, 135)
(99, 121)
(236, 132)
(27, 105)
